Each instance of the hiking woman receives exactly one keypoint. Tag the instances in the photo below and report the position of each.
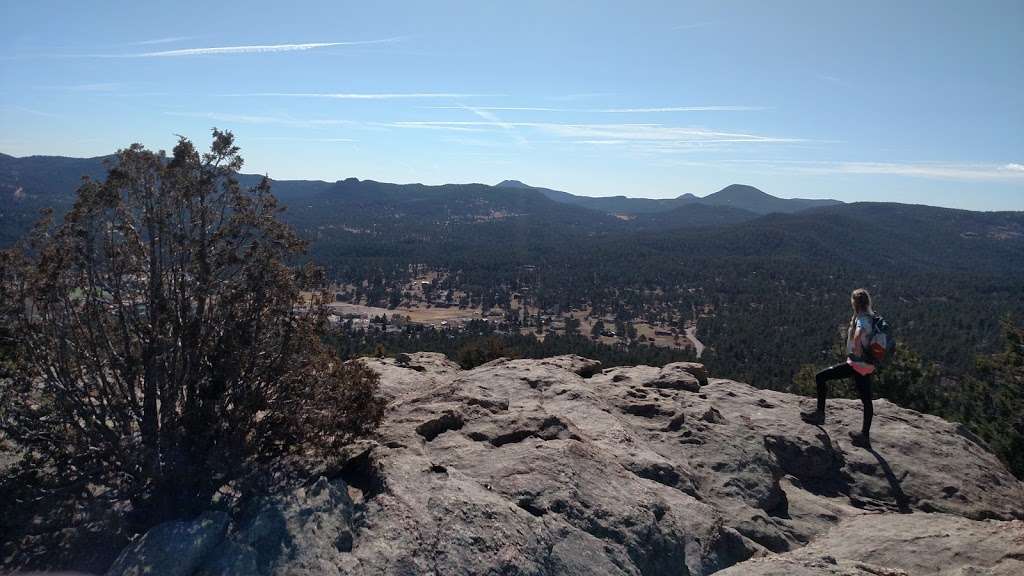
(858, 335)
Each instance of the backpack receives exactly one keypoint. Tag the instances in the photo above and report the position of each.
(881, 346)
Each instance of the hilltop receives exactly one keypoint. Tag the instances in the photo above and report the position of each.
(740, 197)
(558, 466)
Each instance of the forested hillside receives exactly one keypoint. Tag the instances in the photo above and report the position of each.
(945, 277)
(769, 294)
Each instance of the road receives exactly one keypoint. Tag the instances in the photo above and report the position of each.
(691, 333)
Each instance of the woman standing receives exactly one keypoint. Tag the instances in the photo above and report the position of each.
(858, 336)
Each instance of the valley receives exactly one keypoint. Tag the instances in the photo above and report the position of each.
(754, 285)
(537, 262)
(519, 317)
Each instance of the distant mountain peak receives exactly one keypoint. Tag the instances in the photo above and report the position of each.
(512, 184)
(740, 191)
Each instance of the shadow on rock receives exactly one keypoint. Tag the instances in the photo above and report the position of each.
(817, 464)
(902, 502)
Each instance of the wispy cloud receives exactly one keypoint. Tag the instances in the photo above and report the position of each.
(115, 89)
(661, 109)
(302, 139)
(492, 118)
(441, 126)
(250, 119)
(502, 108)
(605, 133)
(155, 41)
(260, 49)
(227, 50)
(655, 132)
(832, 79)
(683, 109)
(364, 95)
(934, 170)
(601, 142)
(954, 171)
(475, 142)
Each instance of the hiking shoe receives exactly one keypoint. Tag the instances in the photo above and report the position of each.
(813, 417)
(860, 440)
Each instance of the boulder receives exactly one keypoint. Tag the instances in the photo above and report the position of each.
(306, 531)
(172, 548)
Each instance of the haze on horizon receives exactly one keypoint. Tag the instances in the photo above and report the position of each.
(912, 102)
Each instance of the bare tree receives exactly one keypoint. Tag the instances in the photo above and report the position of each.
(165, 342)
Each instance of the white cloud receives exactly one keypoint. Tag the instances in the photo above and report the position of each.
(492, 118)
(251, 49)
(831, 79)
(363, 95)
(931, 170)
(600, 142)
(301, 139)
(250, 119)
(683, 109)
(502, 108)
(155, 41)
(652, 132)
(606, 133)
(718, 108)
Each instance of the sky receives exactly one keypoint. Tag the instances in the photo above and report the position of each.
(908, 101)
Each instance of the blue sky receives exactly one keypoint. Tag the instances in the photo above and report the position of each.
(897, 101)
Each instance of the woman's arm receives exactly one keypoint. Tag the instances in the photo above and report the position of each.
(858, 349)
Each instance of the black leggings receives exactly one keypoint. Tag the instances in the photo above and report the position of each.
(862, 382)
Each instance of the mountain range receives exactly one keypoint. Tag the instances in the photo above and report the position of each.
(56, 177)
(30, 183)
(765, 279)
(739, 196)
(366, 215)
(34, 182)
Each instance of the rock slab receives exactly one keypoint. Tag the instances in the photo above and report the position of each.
(554, 466)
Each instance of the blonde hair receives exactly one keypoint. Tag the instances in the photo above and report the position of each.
(861, 300)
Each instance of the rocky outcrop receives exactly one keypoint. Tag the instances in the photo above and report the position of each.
(901, 545)
(558, 467)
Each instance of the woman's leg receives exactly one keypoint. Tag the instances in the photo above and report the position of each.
(837, 372)
(863, 384)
